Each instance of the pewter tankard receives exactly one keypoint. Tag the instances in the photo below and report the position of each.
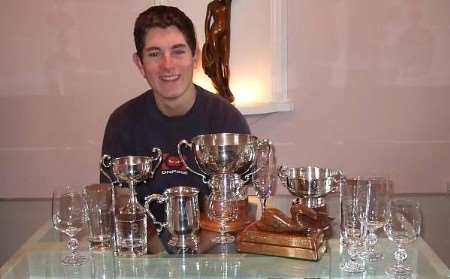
(182, 212)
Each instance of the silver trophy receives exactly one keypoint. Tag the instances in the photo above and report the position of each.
(310, 184)
(225, 161)
(130, 219)
(131, 169)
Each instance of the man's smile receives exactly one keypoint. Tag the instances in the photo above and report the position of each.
(171, 77)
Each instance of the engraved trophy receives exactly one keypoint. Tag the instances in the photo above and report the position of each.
(225, 161)
(310, 185)
(130, 219)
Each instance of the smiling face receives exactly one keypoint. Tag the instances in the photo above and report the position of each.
(167, 64)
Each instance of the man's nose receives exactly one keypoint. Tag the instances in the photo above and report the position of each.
(167, 61)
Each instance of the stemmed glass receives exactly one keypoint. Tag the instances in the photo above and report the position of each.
(223, 204)
(373, 197)
(403, 225)
(223, 210)
(353, 229)
(68, 217)
(265, 176)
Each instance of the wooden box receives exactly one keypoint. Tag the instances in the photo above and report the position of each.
(292, 245)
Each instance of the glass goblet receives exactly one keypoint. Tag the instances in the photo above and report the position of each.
(403, 225)
(373, 197)
(68, 217)
(353, 230)
(265, 176)
(223, 210)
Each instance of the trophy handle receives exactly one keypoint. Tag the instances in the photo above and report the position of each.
(260, 144)
(105, 162)
(180, 154)
(282, 175)
(158, 160)
(160, 199)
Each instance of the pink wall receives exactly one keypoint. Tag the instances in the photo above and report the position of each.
(370, 81)
(371, 85)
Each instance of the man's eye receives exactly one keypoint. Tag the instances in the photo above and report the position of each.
(179, 52)
(153, 54)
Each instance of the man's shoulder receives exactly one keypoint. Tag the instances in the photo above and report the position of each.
(135, 106)
(222, 115)
(215, 101)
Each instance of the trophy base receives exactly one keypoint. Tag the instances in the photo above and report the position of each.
(184, 241)
(213, 226)
(311, 202)
(292, 245)
(320, 207)
(224, 238)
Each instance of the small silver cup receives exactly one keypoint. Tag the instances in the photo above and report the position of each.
(183, 215)
(310, 184)
(99, 206)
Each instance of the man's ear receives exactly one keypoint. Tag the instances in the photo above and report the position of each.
(137, 61)
(197, 57)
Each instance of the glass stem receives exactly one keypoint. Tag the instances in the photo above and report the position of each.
(352, 252)
(400, 255)
(263, 204)
(133, 198)
(73, 244)
(371, 241)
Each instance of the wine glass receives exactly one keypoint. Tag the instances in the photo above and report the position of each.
(353, 229)
(68, 217)
(373, 196)
(403, 225)
(265, 176)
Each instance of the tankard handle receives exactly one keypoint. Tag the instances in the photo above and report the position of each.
(105, 162)
(180, 154)
(160, 199)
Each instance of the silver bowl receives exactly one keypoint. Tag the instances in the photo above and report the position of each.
(131, 169)
(223, 153)
(310, 181)
(136, 168)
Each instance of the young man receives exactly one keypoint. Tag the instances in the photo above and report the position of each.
(174, 109)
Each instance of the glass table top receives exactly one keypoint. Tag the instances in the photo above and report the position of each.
(40, 258)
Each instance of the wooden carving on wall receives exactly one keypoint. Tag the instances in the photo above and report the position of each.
(216, 50)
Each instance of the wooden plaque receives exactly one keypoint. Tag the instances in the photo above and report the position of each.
(252, 240)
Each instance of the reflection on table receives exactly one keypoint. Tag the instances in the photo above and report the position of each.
(41, 254)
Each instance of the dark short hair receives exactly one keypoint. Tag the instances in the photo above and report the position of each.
(163, 17)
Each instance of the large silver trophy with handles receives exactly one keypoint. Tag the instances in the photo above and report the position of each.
(130, 218)
(225, 161)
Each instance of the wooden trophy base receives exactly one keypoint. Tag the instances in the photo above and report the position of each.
(292, 245)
